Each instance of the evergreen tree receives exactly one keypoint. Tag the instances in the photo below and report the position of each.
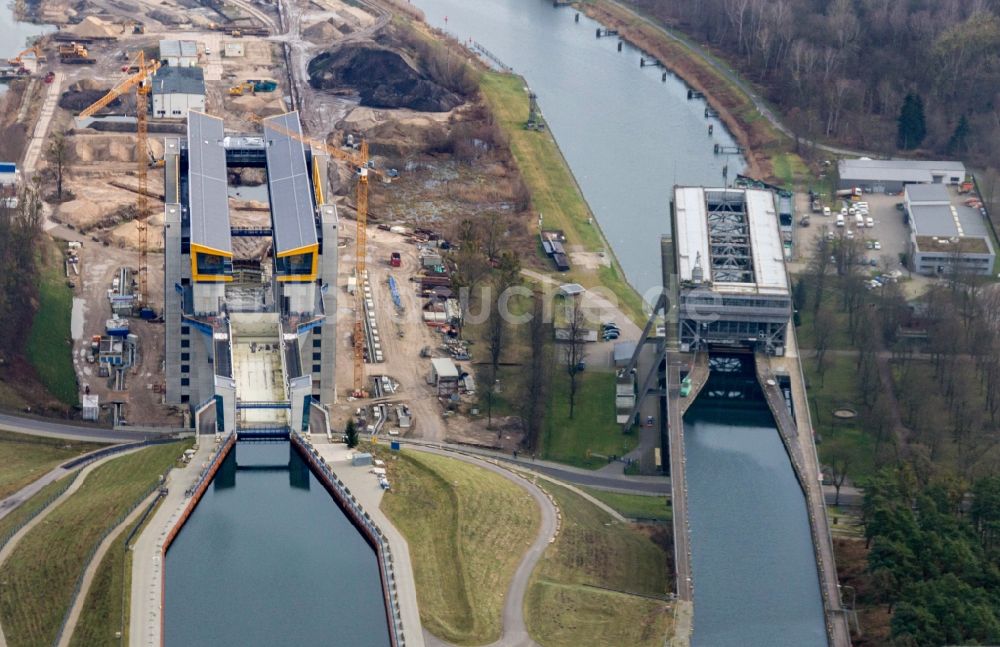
(959, 138)
(351, 433)
(912, 128)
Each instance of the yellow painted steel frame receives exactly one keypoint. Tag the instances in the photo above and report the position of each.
(317, 187)
(201, 249)
(302, 278)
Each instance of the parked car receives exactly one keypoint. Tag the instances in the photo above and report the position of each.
(869, 222)
(877, 245)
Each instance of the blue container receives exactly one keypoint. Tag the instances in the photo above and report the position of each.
(394, 445)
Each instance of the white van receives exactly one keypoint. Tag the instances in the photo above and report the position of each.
(826, 211)
(869, 222)
(840, 220)
(859, 220)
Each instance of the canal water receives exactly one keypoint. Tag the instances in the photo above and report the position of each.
(15, 35)
(267, 558)
(627, 136)
(755, 579)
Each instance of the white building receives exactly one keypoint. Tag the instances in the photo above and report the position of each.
(179, 53)
(177, 91)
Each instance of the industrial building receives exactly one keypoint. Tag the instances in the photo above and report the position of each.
(729, 263)
(892, 176)
(178, 91)
(179, 53)
(946, 234)
(252, 334)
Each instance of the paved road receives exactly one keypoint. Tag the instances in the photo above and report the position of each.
(11, 503)
(514, 632)
(74, 431)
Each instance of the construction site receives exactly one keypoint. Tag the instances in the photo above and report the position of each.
(126, 96)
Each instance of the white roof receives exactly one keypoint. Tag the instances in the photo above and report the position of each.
(571, 289)
(691, 239)
(90, 401)
(897, 170)
(444, 367)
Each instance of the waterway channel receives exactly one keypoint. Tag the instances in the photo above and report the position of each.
(267, 558)
(752, 559)
(627, 136)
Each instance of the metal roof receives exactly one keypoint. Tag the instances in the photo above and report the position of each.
(923, 193)
(289, 186)
(898, 170)
(444, 367)
(208, 201)
(179, 80)
(692, 239)
(177, 48)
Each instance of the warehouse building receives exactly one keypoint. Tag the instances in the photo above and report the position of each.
(178, 91)
(728, 259)
(946, 235)
(179, 53)
(254, 336)
(892, 176)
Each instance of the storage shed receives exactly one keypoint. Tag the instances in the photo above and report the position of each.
(444, 375)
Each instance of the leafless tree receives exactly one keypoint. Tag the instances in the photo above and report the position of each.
(575, 348)
(56, 155)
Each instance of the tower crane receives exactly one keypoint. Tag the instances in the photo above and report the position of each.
(358, 159)
(141, 82)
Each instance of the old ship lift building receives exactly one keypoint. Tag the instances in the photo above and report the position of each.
(732, 289)
(251, 333)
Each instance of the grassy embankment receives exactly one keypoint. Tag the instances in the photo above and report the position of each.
(40, 575)
(467, 529)
(49, 348)
(592, 432)
(772, 153)
(106, 609)
(25, 458)
(600, 583)
(554, 191)
(29, 508)
(635, 506)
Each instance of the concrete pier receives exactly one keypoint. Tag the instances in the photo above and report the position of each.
(697, 369)
(795, 429)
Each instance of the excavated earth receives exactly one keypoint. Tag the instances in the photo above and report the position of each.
(382, 77)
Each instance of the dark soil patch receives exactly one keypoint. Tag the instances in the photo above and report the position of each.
(382, 77)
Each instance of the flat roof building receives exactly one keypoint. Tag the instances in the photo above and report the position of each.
(946, 235)
(730, 269)
(891, 176)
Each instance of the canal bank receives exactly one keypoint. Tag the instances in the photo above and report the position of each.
(638, 136)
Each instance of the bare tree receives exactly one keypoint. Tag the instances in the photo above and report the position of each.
(537, 385)
(575, 349)
(56, 155)
(840, 463)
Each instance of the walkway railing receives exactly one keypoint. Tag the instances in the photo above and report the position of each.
(368, 527)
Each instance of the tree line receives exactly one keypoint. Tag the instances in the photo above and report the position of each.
(844, 69)
(20, 233)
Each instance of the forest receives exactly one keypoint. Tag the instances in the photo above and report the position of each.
(843, 70)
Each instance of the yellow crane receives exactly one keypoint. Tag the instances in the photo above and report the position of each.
(141, 82)
(358, 159)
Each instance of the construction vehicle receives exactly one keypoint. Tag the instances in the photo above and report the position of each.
(75, 53)
(140, 81)
(359, 160)
(34, 49)
(239, 90)
(263, 85)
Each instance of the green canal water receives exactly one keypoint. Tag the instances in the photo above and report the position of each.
(267, 559)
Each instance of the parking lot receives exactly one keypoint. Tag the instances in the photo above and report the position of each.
(889, 231)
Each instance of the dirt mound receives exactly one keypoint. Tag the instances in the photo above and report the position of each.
(77, 100)
(103, 149)
(382, 77)
(94, 27)
(80, 212)
(326, 31)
